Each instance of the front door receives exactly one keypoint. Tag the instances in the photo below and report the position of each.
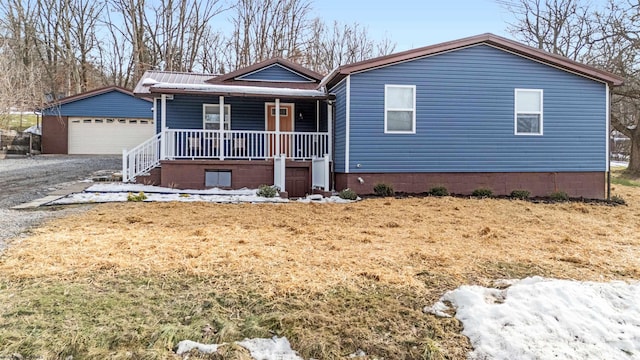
(286, 126)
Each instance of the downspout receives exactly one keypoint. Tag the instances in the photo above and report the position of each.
(163, 126)
(332, 146)
(608, 141)
(221, 128)
(277, 109)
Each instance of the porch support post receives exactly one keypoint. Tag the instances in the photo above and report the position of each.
(163, 126)
(330, 128)
(278, 150)
(221, 130)
(318, 117)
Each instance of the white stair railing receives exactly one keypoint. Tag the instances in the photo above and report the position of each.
(320, 173)
(141, 159)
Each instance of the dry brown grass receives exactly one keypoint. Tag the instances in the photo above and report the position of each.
(312, 247)
(323, 257)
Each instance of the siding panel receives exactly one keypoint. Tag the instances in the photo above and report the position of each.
(274, 73)
(340, 130)
(465, 117)
(110, 104)
(185, 112)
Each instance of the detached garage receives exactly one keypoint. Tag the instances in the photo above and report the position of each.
(101, 121)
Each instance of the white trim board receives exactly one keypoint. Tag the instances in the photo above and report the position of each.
(347, 124)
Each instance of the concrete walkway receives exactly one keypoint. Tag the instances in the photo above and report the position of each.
(54, 195)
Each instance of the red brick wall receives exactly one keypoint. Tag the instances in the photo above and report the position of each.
(55, 135)
(189, 174)
(577, 184)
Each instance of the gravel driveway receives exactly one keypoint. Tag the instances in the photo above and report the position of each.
(29, 178)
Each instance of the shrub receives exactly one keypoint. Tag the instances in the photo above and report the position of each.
(615, 199)
(267, 191)
(348, 194)
(520, 194)
(139, 197)
(439, 191)
(482, 192)
(382, 189)
(559, 196)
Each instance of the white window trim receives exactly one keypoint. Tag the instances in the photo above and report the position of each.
(515, 112)
(204, 108)
(413, 110)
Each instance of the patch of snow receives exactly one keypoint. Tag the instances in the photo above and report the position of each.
(100, 197)
(261, 349)
(358, 353)
(320, 199)
(619, 163)
(538, 318)
(122, 187)
(34, 129)
(270, 349)
(118, 192)
(185, 346)
(149, 82)
(238, 89)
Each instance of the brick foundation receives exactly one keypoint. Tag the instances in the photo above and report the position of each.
(154, 177)
(589, 185)
(190, 174)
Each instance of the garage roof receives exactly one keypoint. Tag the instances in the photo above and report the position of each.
(111, 101)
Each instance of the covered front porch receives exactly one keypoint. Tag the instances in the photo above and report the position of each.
(232, 142)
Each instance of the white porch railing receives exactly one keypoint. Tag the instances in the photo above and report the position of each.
(141, 159)
(244, 144)
(320, 173)
(214, 144)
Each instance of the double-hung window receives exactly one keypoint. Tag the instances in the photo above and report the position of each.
(528, 112)
(211, 117)
(400, 109)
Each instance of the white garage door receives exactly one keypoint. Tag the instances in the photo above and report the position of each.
(106, 135)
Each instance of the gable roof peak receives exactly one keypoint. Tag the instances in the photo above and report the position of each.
(286, 63)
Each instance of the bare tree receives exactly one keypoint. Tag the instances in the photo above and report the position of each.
(268, 28)
(562, 27)
(176, 31)
(606, 37)
(20, 84)
(341, 44)
(618, 50)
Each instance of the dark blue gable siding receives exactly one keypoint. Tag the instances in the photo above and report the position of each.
(185, 112)
(340, 125)
(465, 117)
(111, 104)
(274, 73)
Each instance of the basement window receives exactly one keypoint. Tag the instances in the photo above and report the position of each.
(217, 178)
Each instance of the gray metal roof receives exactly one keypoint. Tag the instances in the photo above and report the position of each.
(169, 77)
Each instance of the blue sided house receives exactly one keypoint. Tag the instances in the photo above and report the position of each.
(100, 121)
(479, 112)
